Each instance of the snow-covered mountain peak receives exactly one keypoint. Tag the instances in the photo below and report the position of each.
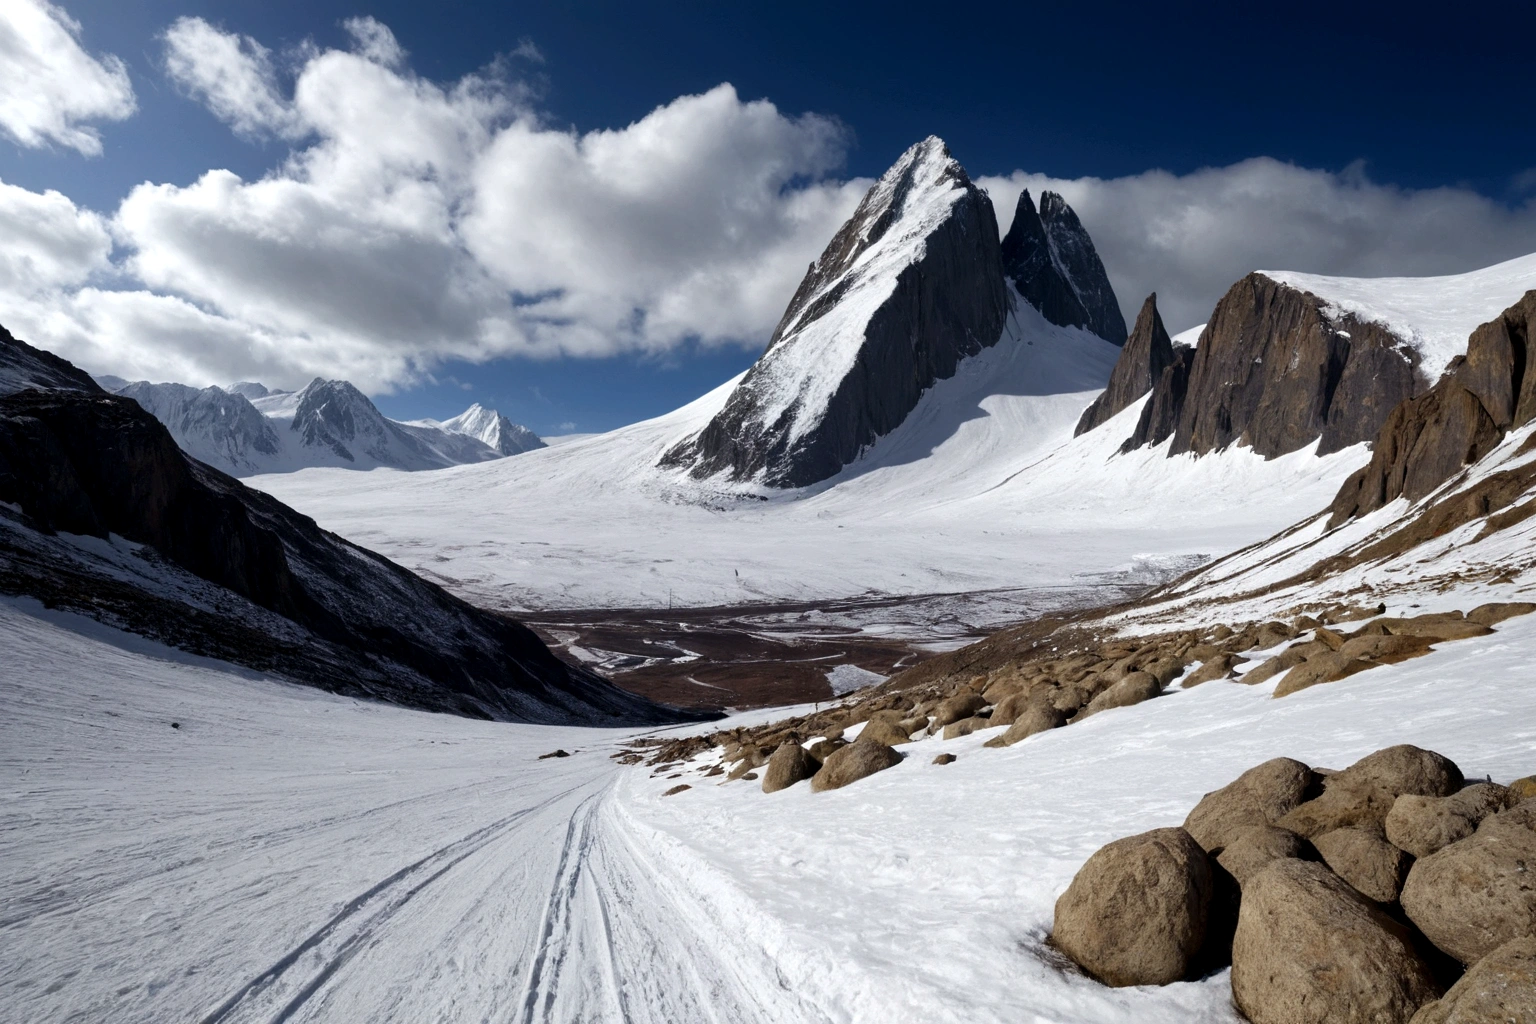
(910, 284)
(494, 429)
(252, 390)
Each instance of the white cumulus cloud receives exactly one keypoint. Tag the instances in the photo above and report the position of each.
(50, 88)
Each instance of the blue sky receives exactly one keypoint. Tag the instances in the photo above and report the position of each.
(1395, 144)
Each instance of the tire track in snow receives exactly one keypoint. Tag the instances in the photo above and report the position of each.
(340, 938)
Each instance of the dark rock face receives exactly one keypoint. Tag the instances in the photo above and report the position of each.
(1429, 438)
(832, 381)
(1274, 373)
(234, 574)
(1160, 416)
(1147, 353)
(1052, 263)
(23, 367)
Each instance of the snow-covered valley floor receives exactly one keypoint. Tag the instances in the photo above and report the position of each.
(285, 855)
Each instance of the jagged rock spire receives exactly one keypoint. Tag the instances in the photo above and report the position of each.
(1053, 265)
(1147, 352)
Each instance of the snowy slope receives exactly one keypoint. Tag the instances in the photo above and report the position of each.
(288, 855)
(982, 488)
(1434, 315)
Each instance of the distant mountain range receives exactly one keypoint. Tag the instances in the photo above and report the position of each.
(248, 428)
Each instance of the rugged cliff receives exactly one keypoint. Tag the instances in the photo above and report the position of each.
(1277, 369)
(1147, 353)
(22, 367)
(908, 287)
(1428, 439)
(1053, 265)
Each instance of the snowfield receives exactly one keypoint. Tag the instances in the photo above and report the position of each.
(981, 489)
(285, 855)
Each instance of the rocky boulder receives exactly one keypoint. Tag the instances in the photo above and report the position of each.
(962, 705)
(1309, 949)
(788, 765)
(1423, 825)
(1254, 846)
(1327, 667)
(1477, 894)
(1366, 790)
(1133, 689)
(1361, 855)
(1136, 913)
(1260, 796)
(860, 759)
(1499, 989)
(1147, 353)
(1036, 717)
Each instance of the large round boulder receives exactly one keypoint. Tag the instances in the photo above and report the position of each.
(1361, 855)
(1423, 825)
(1133, 689)
(886, 727)
(1309, 949)
(1259, 796)
(858, 760)
(1136, 912)
(1033, 718)
(1499, 989)
(788, 765)
(1477, 894)
(962, 705)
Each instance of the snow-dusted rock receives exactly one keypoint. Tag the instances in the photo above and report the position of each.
(211, 425)
(908, 287)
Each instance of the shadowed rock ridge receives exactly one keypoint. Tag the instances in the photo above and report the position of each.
(1274, 372)
(232, 573)
(922, 252)
(1053, 265)
(1428, 439)
(1147, 353)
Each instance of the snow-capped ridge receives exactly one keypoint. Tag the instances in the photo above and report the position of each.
(907, 287)
(494, 429)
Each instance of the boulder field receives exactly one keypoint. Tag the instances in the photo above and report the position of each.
(1390, 891)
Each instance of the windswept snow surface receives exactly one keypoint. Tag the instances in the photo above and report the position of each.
(982, 488)
(286, 855)
(1434, 315)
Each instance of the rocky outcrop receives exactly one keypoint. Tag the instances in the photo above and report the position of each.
(909, 286)
(788, 765)
(1275, 371)
(1147, 353)
(1499, 989)
(1430, 438)
(1053, 265)
(213, 567)
(1260, 796)
(1160, 415)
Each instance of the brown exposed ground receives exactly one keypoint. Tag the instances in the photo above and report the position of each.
(721, 657)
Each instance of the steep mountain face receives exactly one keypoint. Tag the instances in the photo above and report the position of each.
(1052, 263)
(493, 429)
(1428, 439)
(907, 288)
(212, 425)
(23, 367)
(1146, 354)
(1277, 369)
(189, 556)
